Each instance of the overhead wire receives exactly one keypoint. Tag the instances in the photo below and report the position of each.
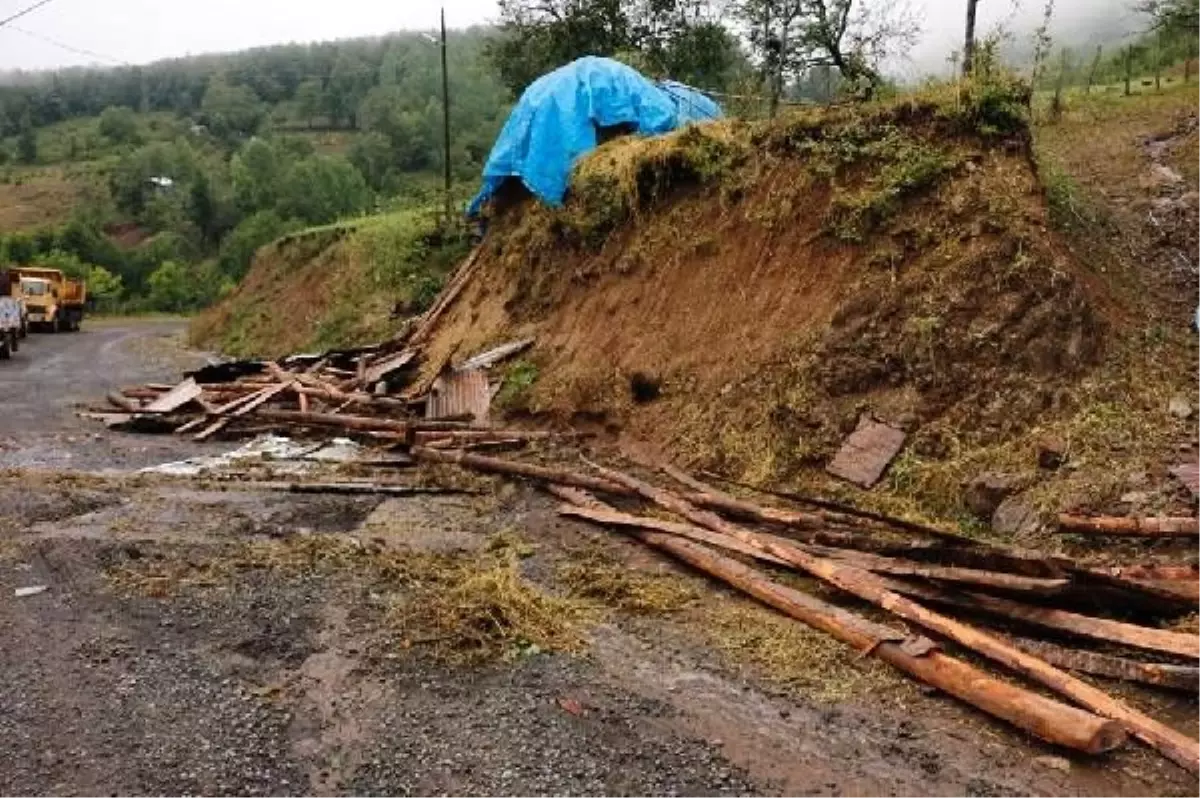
(27, 10)
(69, 48)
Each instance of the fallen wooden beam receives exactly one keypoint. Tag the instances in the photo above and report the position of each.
(361, 423)
(842, 509)
(175, 398)
(1176, 677)
(356, 488)
(454, 438)
(1175, 746)
(969, 576)
(496, 465)
(918, 657)
(1145, 638)
(126, 404)
(1153, 527)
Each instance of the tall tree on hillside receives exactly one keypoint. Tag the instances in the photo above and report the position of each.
(231, 110)
(791, 37)
(310, 99)
(682, 39)
(349, 82)
(1172, 16)
(969, 42)
(27, 148)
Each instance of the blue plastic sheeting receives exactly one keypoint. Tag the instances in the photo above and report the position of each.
(556, 121)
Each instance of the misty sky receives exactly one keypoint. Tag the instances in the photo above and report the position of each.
(138, 31)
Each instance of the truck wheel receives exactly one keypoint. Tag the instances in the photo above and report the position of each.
(14, 341)
(5, 348)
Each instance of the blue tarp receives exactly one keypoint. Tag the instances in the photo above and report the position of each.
(556, 121)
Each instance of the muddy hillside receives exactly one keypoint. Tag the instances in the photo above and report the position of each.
(740, 294)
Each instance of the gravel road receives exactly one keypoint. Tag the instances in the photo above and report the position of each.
(237, 676)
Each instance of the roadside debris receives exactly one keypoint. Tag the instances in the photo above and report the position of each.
(867, 452)
(22, 592)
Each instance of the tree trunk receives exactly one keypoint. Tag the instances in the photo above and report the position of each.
(1128, 68)
(1095, 66)
(969, 44)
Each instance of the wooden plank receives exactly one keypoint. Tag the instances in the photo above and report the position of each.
(459, 393)
(175, 398)
(1145, 638)
(490, 357)
(359, 423)
(918, 657)
(1176, 677)
(867, 452)
(386, 365)
(1152, 527)
(970, 576)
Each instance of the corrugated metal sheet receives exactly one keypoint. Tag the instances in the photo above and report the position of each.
(866, 453)
(458, 393)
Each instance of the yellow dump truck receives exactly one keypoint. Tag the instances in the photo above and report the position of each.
(52, 300)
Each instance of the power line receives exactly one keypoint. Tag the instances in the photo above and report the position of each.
(68, 47)
(23, 12)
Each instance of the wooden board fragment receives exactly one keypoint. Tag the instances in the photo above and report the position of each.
(175, 398)
(459, 393)
(386, 365)
(492, 356)
(1177, 677)
(867, 452)
(1151, 527)
(1189, 475)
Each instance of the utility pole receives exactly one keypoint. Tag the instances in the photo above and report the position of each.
(969, 45)
(445, 121)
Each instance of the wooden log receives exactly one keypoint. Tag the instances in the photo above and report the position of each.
(1176, 677)
(496, 465)
(1157, 573)
(842, 510)
(1175, 746)
(175, 398)
(460, 437)
(919, 657)
(970, 576)
(357, 488)
(117, 400)
(359, 423)
(1153, 527)
(610, 517)
(1110, 631)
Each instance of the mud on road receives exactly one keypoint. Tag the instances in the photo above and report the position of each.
(241, 676)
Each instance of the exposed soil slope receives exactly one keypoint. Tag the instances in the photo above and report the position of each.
(331, 286)
(777, 281)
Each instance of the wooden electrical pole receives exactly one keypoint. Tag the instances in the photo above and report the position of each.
(445, 121)
(969, 44)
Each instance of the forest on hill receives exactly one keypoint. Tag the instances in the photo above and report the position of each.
(161, 181)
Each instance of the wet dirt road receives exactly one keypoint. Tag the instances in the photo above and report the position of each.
(166, 654)
(54, 375)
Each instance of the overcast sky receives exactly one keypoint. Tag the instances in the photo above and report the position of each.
(138, 31)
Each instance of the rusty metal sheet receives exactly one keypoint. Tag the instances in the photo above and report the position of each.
(1189, 475)
(867, 452)
(457, 393)
(175, 398)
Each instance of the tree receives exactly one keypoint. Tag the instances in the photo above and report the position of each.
(348, 83)
(256, 230)
(310, 99)
(372, 154)
(791, 37)
(969, 44)
(257, 173)
(27, 146)
(105, 287)
(319, 190)
(119, 125)
(1172, 16)
(230, 110)
(682, 39)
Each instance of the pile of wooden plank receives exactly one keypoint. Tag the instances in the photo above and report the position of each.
(1044, 618)
(369, 392)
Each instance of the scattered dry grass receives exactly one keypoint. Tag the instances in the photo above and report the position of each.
(795, 656)
(594, 575)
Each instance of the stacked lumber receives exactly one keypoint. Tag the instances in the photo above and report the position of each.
(1032, 616)
(368, 392)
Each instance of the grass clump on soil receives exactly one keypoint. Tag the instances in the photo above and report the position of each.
(594, 575)
(792, 655)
